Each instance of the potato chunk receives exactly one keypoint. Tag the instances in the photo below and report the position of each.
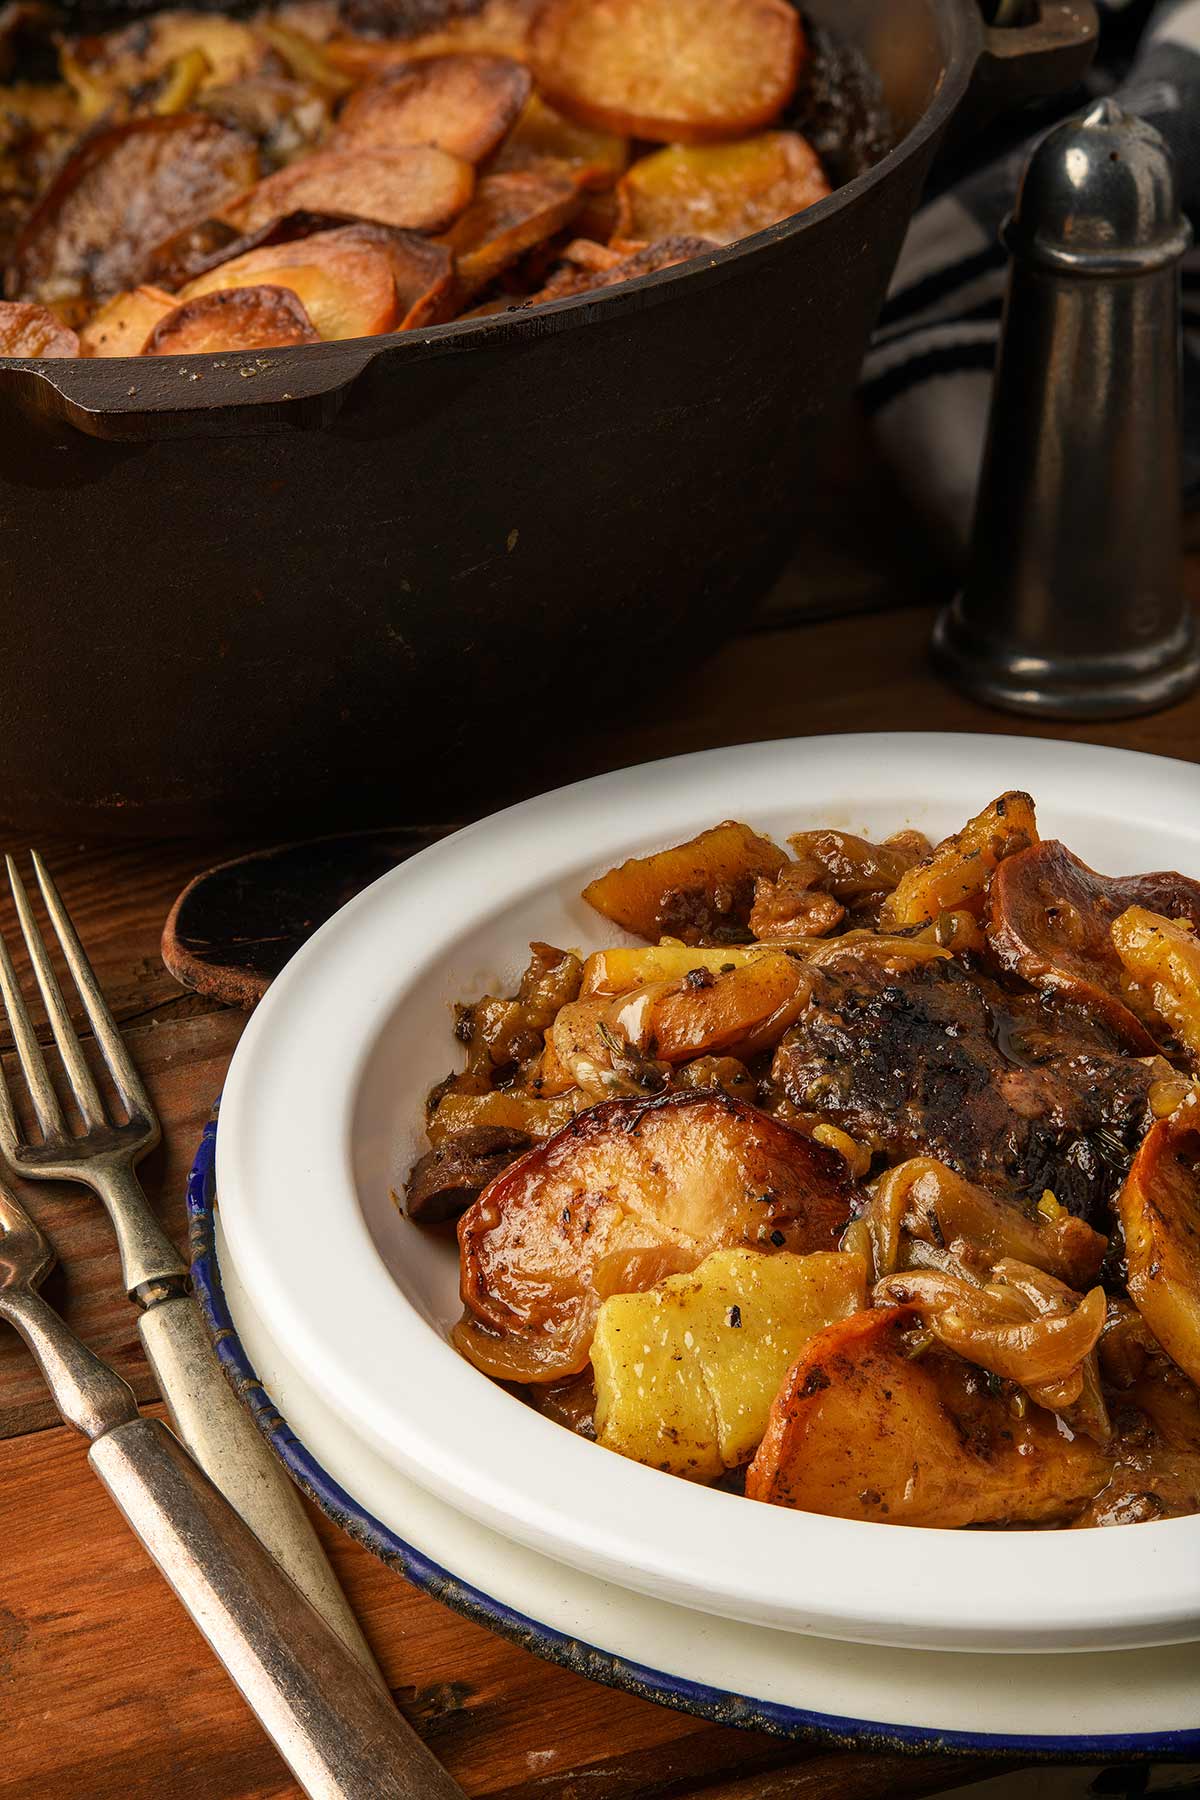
(537, 1118)
(1163, 956)
(418, 188)
(344, 281)
(738, 1013)
(704, 888)
(1051, 921)
(861, 1430)
(249, 318)
(460, 104)
(720, 191)
(676, 71)
(960, 868)
(686, 1372)
(1159, 1209)
(621, 970)
(122, 326)
(630, 1192)
(27, 330)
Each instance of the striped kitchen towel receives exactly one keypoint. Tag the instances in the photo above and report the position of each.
(927, 378)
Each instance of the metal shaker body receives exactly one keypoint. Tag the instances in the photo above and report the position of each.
(1073, 605)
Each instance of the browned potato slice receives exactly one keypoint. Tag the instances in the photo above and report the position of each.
(1159, 1210)
(498, 28)
(861, 1430)
(509, 215)
(958, 872)
(423, 272)
(621, 970)
(542, 135)
(739, 1012)
(247, 318)
(703, 888)
(1051, 923)
(679, 71)
(581, 279)
(631, 1191)
(417, 189)
(345, 285)
(122, 327)
(720, 191)
(461, 104)
(122, 192)
(27, 330)
(1163, 956)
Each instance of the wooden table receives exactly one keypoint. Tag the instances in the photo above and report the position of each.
(106, 1690)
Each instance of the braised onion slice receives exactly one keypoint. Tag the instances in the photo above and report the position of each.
(1159, 1209)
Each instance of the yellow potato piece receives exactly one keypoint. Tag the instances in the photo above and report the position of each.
(960, 868)
(686, 1372)
(1159, 1210)
(707, 882)
(516, 1112)
(1163, 956)
(720, 191)
(618, 971)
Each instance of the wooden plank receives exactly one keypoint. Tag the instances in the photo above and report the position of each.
(110, 1694)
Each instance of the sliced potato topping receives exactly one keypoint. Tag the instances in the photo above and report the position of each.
(720, 191)
(345, 284)
(248, 318)
(1159, 1209)
(678, 71)
(957, 873)
(704, 888)
(542, 134)
(122, 326)
(460, 104)
(417, 188)
(686, 1372)
(510, 214)
(27, 330)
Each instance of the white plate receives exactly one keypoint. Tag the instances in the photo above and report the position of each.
(1100, 1706)
(322, 1116)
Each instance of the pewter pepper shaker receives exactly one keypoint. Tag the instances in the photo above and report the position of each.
(1073, 604)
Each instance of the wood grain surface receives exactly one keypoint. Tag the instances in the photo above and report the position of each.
(106, 1691)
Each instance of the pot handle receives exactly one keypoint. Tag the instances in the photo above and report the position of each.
(1032, 58)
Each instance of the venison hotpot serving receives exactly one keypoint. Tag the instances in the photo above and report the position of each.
(868, 1185)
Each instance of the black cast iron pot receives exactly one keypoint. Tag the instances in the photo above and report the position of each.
(330, 585)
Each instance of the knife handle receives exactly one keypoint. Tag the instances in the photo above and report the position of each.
(331, 1721)
(227, 1444)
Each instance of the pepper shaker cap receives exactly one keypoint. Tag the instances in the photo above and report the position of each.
(1099, 196)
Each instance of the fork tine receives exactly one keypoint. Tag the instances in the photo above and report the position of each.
(29, 1054)
(78, 1074)
(126, 1079)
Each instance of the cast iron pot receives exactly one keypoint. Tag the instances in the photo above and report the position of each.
(326, 586)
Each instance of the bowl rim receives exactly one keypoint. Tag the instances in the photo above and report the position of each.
(341, 1318)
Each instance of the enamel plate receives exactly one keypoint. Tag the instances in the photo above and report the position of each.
(323, 1113)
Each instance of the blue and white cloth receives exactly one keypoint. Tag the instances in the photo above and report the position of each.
(928, 376)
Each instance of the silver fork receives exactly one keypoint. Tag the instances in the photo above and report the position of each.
(204, 1411)
(329, 1718)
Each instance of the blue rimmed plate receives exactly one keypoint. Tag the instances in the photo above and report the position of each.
(1106, 1706)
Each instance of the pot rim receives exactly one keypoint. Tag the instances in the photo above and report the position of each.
(320, 370)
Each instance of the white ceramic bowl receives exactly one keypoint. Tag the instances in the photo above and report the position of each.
(322, 1116)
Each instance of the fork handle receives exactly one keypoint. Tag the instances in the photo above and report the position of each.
(333, 1724)
(227, 1444)
(150, 1262)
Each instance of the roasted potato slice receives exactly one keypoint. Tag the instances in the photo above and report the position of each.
(541, 135)
(958, 872)
(121, 193)
(27, 330)
(461, 104)
(676, 71)
(1051, 921)
(922, 1200)
(509, 215)
(686, 1372)
(737, 1013)
(1163, 956)
(122, 326)
(720, 191)
(418, 188)
(1159, 1210)
(861, 1430)
(346, 285)
(630, 1192)
(245, 318)
(703, 888)
(423, 272)
(574, 279)
(497, 28)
